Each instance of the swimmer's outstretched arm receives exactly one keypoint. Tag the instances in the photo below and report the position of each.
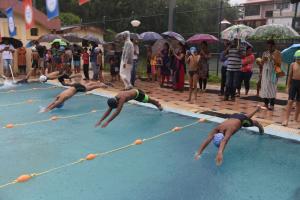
(105, 115)
(52, 105)
(219, 157)
(258, 108)
(116, 113)
(205, 143)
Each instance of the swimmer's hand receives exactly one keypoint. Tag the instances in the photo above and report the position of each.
(219, 159)
(197, 156)
(98, 124)
(105, 125)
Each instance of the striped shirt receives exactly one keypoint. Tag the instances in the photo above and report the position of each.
(234, 61)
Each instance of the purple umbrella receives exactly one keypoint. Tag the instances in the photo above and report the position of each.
(173, 35)
(198, 38)
(150, 36)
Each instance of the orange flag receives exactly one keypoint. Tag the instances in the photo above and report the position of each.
(83, 2)
(28, 13)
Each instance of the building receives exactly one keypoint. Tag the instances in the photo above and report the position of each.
(41, 25)
(261, 12)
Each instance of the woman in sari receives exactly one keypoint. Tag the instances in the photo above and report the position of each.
(271, 60)
(179, 70)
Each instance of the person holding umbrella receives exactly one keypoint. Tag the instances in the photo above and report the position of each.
(204, 66)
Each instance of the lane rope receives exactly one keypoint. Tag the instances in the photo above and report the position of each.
(26, 177)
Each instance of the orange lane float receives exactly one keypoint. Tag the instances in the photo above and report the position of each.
(176, 129)
(93, 111)
(91, 156)
(138, 142)
(9, 126)
(23, 178)
(54, 118)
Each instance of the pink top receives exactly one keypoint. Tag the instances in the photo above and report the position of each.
(247, 63)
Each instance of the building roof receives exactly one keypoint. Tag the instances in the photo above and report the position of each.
(257, 1)
(39, 17)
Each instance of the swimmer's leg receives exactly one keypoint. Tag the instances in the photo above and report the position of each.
(297, 111)
(53, 75)
(259, 126)
(287, 113)
(156, 103)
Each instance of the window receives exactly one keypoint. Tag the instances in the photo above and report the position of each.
(269, 13)
(34, 32)
(252, 10)
(285, 4)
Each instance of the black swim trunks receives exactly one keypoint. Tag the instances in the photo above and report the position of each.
(246, 121)
(141, 96)
(192, 73)
(294, 91)
(79, 87)
(62, 78)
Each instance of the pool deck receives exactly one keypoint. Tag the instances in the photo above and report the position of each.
(207, 103)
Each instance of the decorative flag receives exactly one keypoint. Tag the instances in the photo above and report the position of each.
(83, 2)
(11, 22)
(52, 9)
(28, 13)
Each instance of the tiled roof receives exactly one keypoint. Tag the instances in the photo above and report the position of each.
(39, 16)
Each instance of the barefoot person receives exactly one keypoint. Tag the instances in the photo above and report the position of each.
(294, 89)
(192, 60)
(123, 97)
(222, 133)
(77, 86)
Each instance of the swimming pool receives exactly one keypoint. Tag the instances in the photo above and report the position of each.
(255, 167)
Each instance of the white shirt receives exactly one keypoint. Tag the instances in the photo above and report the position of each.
(7, 54)
(136, 52)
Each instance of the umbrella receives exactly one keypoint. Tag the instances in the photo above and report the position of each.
(50, 38)
(30, 43)
(159, 44)
(198, 38)
(60, 41)
(274, 31)
(12, 41)
(150, 36)
(92, 38)
(288, 53)
(173, 35)
(133, 36)
(72, 37)
(239, 31)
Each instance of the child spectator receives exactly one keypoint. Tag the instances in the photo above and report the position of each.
(86, 63)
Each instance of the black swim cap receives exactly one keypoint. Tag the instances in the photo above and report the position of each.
(112, 102)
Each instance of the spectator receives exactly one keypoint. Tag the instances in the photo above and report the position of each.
(179, 71)
(7, 51)
(135, 62)
(86, 64)
(192, 60)
(204, 66)
(99, 64)
(149, 62)
(159, 63)
(271, 58)
(260, 66)
(34, 60)
(49, 61)
(69, 55)
(76, 60)
(235, 53)
(93, 60)
(56, 56)
(165, 68)
(42, 52)
(223, 58)
(127, 61)
(114, 69)
(22, 60)
(246, 70)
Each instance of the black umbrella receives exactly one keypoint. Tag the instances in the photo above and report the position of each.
(51, 37)
(12, 41)
(72, 37)
(91, 38)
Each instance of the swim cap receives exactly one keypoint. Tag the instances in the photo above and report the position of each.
(218, 137)
(193, 49)
(112, 103)
(60, 105)
(297, 55)
(43, 78)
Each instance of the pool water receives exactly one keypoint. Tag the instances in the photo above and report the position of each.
(255, 167)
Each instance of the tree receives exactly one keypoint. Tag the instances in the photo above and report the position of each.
(69, 18)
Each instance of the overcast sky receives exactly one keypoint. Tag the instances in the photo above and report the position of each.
(237, 1)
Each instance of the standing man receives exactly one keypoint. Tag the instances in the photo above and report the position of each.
(224, 68)
(22, 60)
(235, 52)
(93, 60)
(7, 51)
(127, 61)
(135, 62)
(42, 52)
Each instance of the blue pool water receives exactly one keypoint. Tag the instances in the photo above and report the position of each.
(255, 167)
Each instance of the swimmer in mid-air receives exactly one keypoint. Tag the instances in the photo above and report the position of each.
(223, 132)
(42, 78)
(77, 86)
(123, 97)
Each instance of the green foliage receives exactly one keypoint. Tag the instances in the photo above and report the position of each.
(281, 87)
(214, 78)
(69, 19)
